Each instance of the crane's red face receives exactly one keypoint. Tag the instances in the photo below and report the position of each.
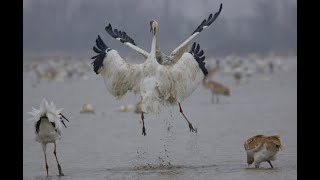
(153, 26)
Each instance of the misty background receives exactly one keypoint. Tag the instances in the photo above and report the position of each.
(70, 27)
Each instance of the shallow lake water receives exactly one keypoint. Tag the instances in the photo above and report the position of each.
(109, 144)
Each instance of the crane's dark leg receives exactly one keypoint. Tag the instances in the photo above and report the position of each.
(190, 125)
(270, 164)
(55, 154)
(143, 128)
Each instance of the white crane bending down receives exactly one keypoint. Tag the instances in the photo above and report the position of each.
(161, 57)
(48, 127)
(157, 84)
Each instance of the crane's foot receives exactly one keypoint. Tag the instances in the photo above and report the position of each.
(144, 131)
(60, 170)
(47, 170)
(192, 129)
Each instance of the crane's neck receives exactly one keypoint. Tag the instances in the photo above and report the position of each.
(153, 46)
(157, 46)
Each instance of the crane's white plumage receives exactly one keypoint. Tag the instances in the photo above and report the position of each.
(50, 114)
(186, 76)
(163, 86)
(170, 84)
(155, 83)
(119, 76)
(48, 127)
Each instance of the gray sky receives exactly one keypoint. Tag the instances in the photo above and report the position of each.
(71, 26)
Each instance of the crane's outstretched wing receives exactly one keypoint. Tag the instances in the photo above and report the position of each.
(119, 76)
(182, 48)
(182, 78)
(125, 39)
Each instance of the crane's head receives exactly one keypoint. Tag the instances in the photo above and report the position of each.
(153, 26)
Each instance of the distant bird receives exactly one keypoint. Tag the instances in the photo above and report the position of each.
(271, 67)
(87, 108)
(125, 108)
(216, 89)
(262, 148)
(131, 108)
(155, 83)
(261, 65)
(161, 57)
(243, 73)
(48, 128)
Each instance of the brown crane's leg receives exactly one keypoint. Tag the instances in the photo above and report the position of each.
(143, 128)
(270, 164)
(190, 125)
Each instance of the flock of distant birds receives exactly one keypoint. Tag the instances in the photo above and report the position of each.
(160, 80)
(241, 69)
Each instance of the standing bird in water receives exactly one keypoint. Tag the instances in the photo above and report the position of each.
(262, 148)
(156, 83)
(48, 127)
(216, 89)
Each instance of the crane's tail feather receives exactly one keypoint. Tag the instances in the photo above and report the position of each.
(123, 37)
(198, 56)
(62, 118)
(101, 50)
(49, 111)
(205, 23)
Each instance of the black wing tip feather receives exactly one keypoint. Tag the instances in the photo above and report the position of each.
(61, 119)
(198, 56)
(209, 21)
(119, 34)
(100, 49)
